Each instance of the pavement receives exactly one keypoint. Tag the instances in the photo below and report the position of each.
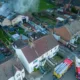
(48, 76)
(69, 75)
(67, 53)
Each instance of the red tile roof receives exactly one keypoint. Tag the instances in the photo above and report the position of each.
(63, 32)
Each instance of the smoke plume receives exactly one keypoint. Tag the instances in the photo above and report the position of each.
(22, 6)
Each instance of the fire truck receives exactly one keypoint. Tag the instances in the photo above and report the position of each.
(77, 67)
(62, 68)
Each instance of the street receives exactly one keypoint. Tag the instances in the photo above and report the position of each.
(70, 74)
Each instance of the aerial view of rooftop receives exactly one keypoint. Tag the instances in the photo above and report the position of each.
(39, 39)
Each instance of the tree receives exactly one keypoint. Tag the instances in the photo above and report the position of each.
(74, 10)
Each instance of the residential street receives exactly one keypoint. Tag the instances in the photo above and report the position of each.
(70, 74)
(49, 76)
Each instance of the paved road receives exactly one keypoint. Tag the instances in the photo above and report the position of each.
(48, 77)
(70, 74)
(68, 53)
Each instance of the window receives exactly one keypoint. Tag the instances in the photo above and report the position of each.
(18, 75)
(43, 60)
(47, 53)
(42, 57)
(19, 79)
(35, 61)
(23, 72)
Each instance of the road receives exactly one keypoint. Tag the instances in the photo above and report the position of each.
(48, 77)
(70, 74)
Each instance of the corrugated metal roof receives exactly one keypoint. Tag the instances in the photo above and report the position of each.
(73, 28)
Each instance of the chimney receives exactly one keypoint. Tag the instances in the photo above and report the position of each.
(30, 43)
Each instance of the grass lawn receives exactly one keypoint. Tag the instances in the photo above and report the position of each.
(20, 30)
(45, 5)
(4, 37)
(58, 58)
(49, 21)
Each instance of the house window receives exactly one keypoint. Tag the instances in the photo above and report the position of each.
(42, 56)
(19, 79)
(55, 47)
(18, 75)
(35, 61)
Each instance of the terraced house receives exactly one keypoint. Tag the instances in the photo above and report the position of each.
(10, 66)
(33, 54)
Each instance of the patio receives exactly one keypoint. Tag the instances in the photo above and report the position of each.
(48, 20)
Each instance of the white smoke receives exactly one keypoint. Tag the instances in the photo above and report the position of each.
(22, 6)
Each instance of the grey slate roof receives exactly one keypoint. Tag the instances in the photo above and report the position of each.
(73, 28)
(6, 68)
